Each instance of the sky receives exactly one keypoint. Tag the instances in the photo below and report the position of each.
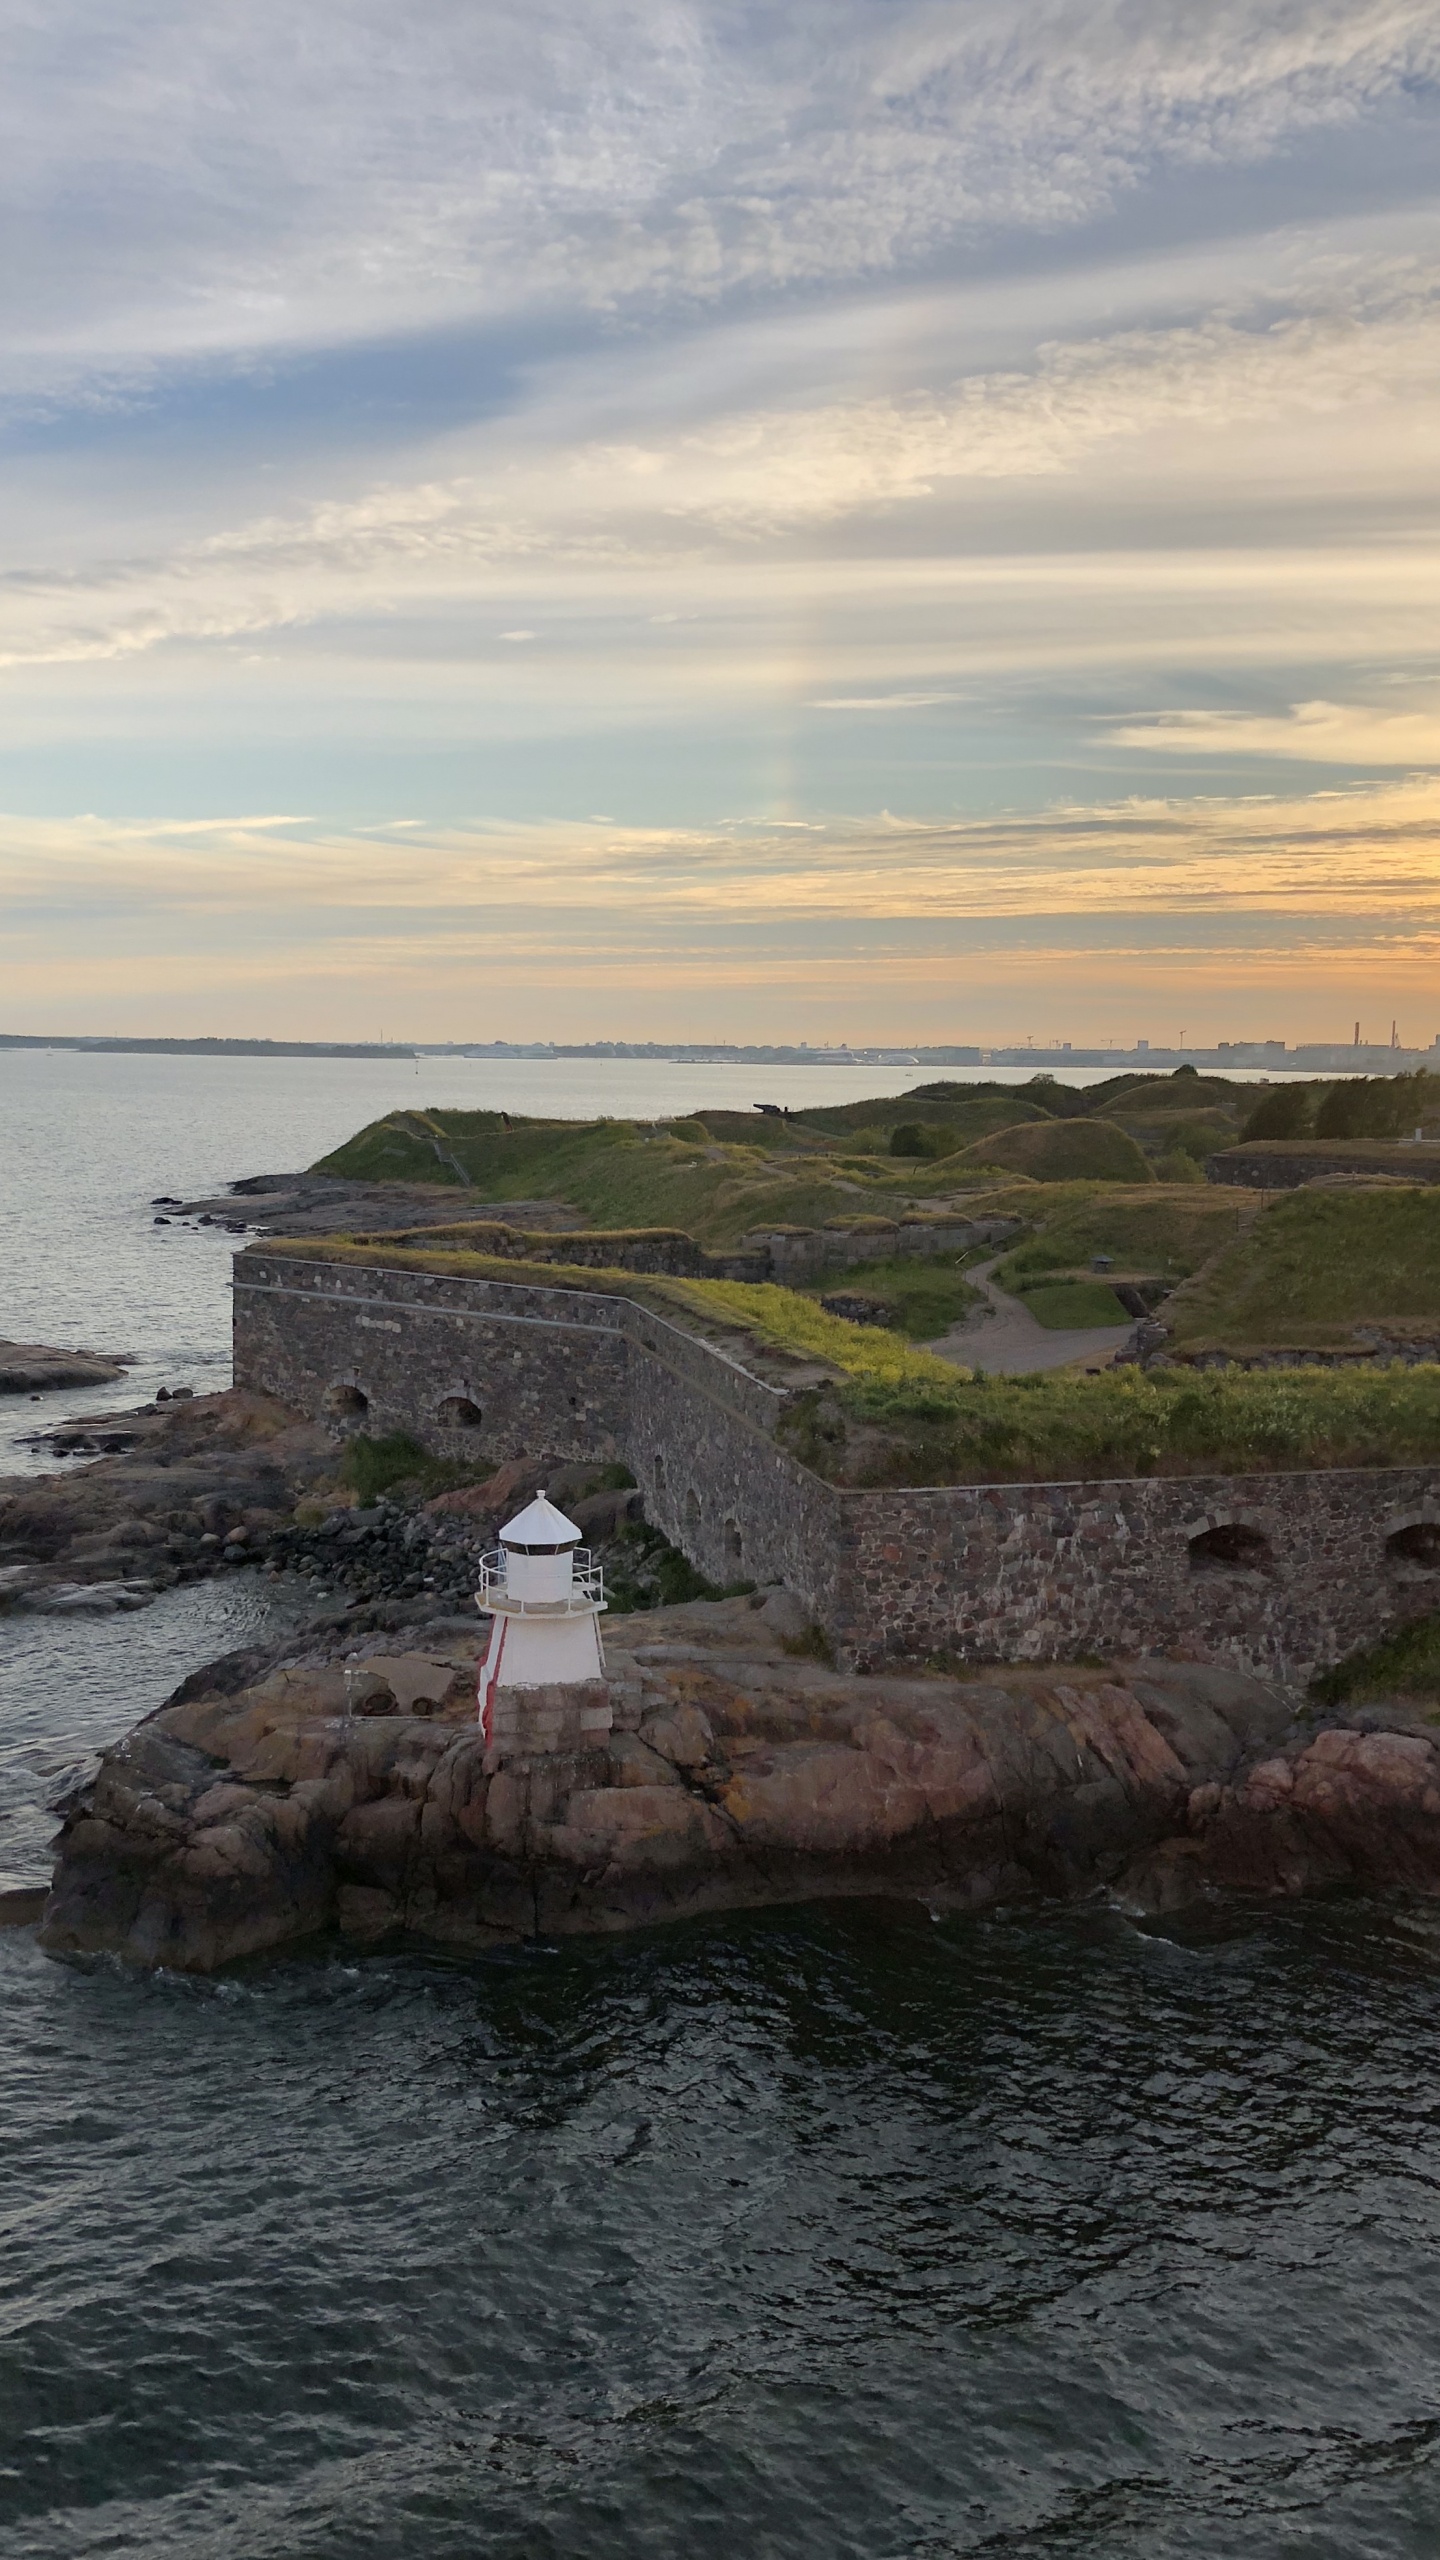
(884, 521)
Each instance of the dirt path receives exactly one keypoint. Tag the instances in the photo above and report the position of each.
(1005, 1340)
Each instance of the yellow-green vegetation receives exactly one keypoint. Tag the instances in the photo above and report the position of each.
(1062, 1151)
(783, 1318)
(1316, 1265)
(893, 1414)
(616, 1174)
(1404, 1665)
(1065, 1305)
(797, 1323)
(1152, 1231)
(925, 1295)
(1058, 1427)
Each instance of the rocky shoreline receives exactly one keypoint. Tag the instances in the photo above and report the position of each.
(338, 1780)
(344, 1785)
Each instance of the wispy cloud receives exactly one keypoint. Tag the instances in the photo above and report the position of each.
(273, 177)
(1338, 733)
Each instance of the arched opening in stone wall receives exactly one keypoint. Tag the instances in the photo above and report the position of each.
(692, 1509)
(1231, 1548)
(657, 1470)
(1417, 1544)
(458, 1413)
(734, 1543)
(347, 1403)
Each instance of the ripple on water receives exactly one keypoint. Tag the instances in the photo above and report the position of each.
(814, 2234)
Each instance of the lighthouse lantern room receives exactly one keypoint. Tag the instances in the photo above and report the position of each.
(544, 1595)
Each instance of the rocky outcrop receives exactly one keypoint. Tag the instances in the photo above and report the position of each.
(271, 1799)
(34, 1368)
(186, 1486)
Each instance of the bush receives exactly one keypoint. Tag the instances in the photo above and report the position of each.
(921, 1138)
(1179, 1167)
(371, 1467)
(1285, 1113)
(1375, 1106)
(1406, 1663)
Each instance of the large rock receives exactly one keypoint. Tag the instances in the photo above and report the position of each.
(255, 1808)
(34, 1368)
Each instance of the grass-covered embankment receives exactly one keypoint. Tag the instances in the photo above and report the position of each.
(924, 1296)
(890, 1413)
(1125, 1422)
(1159, 1231)
(1316, 1265)
(1063, 1151)
(618, 1175)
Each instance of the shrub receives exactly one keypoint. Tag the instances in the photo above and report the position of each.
(928, 1139)
(1407, 1662)
(1375, 1106)
(371, 1467)
(1285, 1113)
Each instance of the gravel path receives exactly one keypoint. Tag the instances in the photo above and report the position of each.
(1004, 1339)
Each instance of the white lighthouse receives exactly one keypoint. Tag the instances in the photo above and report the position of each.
(544, 1595)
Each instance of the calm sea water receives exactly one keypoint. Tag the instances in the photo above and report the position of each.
(832, 2235)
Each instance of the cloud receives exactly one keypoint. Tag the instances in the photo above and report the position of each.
(1196, 402)
(1336, 733)
(272, 179)
(883, 701)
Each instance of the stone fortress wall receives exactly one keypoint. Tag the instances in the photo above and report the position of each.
(1279, 1574)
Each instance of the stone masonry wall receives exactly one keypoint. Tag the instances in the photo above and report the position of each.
(975, 1572)
(542, 1369)
(1033, 1572)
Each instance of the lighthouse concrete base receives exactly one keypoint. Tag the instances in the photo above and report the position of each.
(555, 1716)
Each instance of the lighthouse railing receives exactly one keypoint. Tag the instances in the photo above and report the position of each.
(587, 1587)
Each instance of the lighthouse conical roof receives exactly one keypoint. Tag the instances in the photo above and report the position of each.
(540, 1525)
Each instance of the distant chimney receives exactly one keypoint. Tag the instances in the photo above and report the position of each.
(1357, 1035)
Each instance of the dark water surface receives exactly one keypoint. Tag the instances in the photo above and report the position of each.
(820, 2234)
(798, 2237)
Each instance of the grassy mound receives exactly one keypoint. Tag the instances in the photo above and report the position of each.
(1063, 1151)
(616, 1174)
(1317, 1264)
(1067, 1305)
(1150, 1231)
(925, 1296)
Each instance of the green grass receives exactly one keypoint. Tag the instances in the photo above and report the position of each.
(1313, 1267)
(372, 1466)
(1125, 1422)
(894, 1414)
(782, 1318)
(1064, 1305)
(927, 1296)
(1063, 1151)
(1150, 1231)
(617, 1175)
(1405, 1664)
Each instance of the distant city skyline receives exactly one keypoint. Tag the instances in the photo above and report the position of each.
(688, 515)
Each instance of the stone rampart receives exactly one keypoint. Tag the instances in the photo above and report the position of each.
(1280, 1164)
(1274, 1573)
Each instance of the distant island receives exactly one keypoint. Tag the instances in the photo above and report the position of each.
(1269, 1057)
(207, 1048)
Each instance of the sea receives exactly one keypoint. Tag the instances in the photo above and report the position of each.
(844, 2233)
